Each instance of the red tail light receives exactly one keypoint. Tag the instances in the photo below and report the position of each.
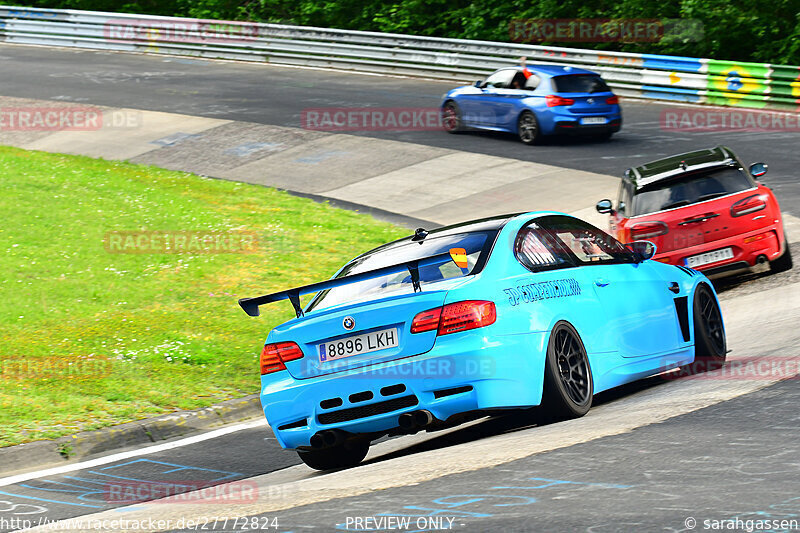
(426, 320)
(648, 230)
(273, 356)
(452, 318)
(751, 204)
(466, 315)
(553, 100)
(612, 100)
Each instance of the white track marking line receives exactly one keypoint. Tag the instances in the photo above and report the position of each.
(133, 453)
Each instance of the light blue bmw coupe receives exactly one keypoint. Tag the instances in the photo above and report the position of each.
(536, 309)
(534, 102)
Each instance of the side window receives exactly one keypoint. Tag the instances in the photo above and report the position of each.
(500, 79)
(537, 250)
(587, 244)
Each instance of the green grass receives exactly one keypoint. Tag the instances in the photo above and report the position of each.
(91, 338)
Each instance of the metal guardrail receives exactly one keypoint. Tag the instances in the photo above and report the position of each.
(685, 79)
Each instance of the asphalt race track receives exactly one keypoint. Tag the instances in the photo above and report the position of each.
(278, 95)
(660, 455)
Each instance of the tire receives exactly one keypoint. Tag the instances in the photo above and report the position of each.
(784, 262)
(451, 118)
(342, 456)
(605, 136)
(568, 383)
(710, 345)
(528, 128)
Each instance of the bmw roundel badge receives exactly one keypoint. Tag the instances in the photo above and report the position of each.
(349, 323)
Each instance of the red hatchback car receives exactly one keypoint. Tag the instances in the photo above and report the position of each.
(704, 211)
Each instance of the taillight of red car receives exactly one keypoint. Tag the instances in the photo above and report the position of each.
(748, 205)
(455, 317)
(275, 355)
(555, 101)
(647, 230)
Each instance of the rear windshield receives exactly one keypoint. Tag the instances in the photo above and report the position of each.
(580, 83)
(477, 246)
(687, 190)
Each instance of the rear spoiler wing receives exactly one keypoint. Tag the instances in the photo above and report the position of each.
(250, 305)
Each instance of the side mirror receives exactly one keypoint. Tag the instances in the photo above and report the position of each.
(478, 84)
(758, 169)
(643, 250)
(605, 207)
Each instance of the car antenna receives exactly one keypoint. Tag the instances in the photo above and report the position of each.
(683, 165)
(419, 235)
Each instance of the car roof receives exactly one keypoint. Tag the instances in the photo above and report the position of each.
(678, 164)
(550, 71)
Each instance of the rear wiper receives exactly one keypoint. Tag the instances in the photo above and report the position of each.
(676, 204)
(710, 196)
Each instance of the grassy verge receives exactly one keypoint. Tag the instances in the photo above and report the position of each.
(90, 337)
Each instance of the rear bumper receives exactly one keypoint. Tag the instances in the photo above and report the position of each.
(574, 127)
(747, 257)
(472, 373)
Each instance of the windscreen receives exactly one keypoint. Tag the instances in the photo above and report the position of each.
(687, 190)
(476, 245)
(580, 83)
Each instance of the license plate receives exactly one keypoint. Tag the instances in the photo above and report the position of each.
(709, 257)
(593, 120)
(358, 344)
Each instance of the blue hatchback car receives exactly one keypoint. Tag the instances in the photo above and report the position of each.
(552, 99)
(537, 309)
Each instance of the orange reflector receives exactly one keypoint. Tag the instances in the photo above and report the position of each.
(459, 256)
(755, 238)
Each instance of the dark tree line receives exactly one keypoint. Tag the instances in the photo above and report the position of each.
(742, 30)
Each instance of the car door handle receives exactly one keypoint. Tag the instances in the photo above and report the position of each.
(600, 282)
(674, 287)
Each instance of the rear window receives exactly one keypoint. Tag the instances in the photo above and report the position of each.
(580, 83)
(687, 190)
(477, 246)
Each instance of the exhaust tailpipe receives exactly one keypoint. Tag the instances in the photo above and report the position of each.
(332, 437)
(407, 421)
(317, 442)
(415, 420)
(423, 417)
(326, 439)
